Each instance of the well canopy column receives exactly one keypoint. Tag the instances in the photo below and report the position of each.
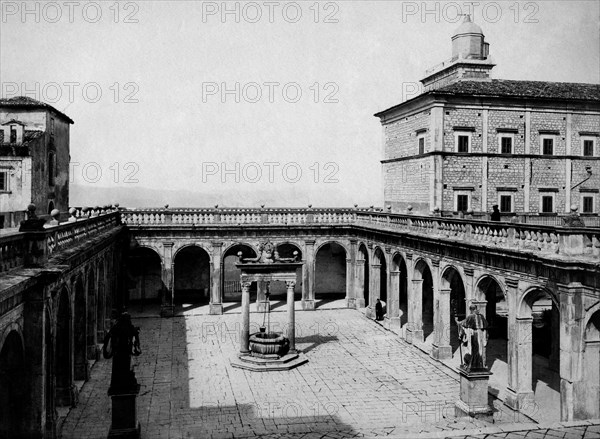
(216, 296)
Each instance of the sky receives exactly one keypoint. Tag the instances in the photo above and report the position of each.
(258, 102)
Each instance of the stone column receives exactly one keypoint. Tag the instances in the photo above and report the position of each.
(350, 301)
(291, 326)
(572, 314)
(393, 313)
(308, 276)
(167, 308)
(414, 326)
(441, 318)
(374, 290)
(216, 297)
(34, 373)
(245, 330)
(350, 275)
(359, 284)
(519, 390)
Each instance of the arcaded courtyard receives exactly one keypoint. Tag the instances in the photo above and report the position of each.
(361, 381)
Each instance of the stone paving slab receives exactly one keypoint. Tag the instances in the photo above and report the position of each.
(361, 381)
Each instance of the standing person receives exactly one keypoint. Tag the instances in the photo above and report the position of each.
(472, 333)
(495, 213)
(378, 310)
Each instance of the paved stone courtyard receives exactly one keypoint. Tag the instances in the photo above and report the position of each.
(361, 381)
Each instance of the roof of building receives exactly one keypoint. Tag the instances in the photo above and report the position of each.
(507, 88)
(523, 89)
(27, 102)
(468, 27)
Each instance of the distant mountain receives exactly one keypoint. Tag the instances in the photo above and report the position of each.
(136, 196)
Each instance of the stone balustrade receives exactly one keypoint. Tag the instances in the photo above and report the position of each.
(35, 247)
(237, 216)
(539, 238)
(84, 223)
(570, 241)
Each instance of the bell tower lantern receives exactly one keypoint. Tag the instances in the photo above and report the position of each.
(470, 59)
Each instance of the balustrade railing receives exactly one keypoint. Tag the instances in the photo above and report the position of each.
(236, 216)
(85, 223)
(16, 248)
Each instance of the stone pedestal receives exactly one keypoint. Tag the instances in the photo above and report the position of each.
(393, 324)
(308, 304)
(167, 311)
(441, 352)
(124, 415)
(473, 400)
(215, 309)
(414, 336)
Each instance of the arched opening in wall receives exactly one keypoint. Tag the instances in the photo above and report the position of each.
(91, 316)
(330, 272)
(587, 405)
(80, 333)
(364, 276)
(496, 314)
(400, 265)
(62, 359)
(13, 387)
(231, 286)
(451, 279)
(144, 280)
(278, 289)
(192, 276)
(380, 278)
(423, 272)
(545, 350)
(101, 303)
(50, 207)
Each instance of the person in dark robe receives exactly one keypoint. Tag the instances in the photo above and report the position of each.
(121, 342)
(495, 213)
(378, 310)
(473, 335)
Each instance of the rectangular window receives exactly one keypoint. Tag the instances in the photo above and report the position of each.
(505, 203)
(547, 204)
(4, 181)
(506, 145)
(547, 146)
(587, 204)
(588, 148)
(462, 203)
(421, 145)
(463, 143)
(13, 135)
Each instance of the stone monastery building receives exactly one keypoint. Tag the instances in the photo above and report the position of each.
(470, 142)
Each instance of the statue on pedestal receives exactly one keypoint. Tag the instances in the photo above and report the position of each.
(121, 342)
(473, 335)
